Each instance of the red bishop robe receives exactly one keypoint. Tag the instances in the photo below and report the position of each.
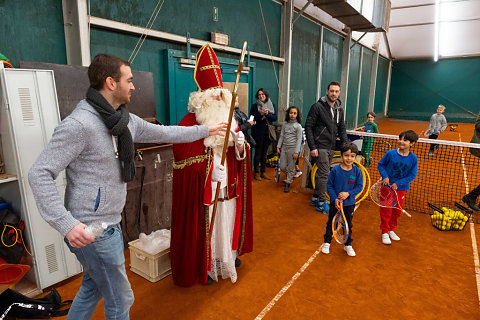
(192, 194)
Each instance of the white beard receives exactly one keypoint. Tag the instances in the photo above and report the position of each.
(209, 111)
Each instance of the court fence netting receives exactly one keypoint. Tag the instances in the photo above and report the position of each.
(446, 170)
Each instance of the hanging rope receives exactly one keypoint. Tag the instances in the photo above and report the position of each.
(89, 23)
(269, 47)
(149, 25)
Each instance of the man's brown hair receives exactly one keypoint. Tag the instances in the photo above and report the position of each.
(333, 83)
(104, 66)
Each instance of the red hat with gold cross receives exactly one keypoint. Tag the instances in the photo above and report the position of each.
(208, 74)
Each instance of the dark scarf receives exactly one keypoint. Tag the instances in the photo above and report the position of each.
(116, 121)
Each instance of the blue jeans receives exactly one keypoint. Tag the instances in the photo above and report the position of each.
(104, 276)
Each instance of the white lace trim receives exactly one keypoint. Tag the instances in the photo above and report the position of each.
(223, 257)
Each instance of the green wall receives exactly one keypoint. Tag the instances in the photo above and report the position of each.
(419, 86)
(305, 59)
(331, 59)
(381, 86)
(195, 17)
(367, 61)
(32, 31)
(352, 90)
(37, 34)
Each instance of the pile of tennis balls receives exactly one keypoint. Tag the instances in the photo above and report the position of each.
(449, 219)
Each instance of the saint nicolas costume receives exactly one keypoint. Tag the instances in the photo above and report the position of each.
(193, 256)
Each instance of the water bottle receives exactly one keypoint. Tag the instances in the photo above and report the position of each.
(96, 229)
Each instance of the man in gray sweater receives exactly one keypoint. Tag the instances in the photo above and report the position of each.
(94, 145)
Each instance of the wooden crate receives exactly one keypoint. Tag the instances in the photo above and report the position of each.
(152, 267)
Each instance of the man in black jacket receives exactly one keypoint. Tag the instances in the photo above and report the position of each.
(325, 122)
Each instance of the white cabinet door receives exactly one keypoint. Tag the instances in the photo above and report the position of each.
(34, 115)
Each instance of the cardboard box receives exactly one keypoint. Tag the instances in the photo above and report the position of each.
(151, 267)
(219, 38)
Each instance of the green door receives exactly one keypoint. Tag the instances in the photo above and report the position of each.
(181, 82)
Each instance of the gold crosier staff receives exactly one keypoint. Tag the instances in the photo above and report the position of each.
(225, 144)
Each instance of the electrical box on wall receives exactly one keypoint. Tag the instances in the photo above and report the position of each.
(219, 38)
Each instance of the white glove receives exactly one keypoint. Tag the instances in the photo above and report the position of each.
(219, 174)
(239, 138)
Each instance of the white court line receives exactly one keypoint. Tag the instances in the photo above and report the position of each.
(476, 260)
(288, 285)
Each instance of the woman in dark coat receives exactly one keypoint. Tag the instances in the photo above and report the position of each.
(264, 113)
(244, 124)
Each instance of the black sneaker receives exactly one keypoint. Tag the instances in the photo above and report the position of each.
(209, 281)
(470, 201)
(287, 188)
(238, 262)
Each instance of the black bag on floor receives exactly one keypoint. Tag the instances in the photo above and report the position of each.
(15, 305)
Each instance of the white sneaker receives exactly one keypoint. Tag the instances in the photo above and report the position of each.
(393, 236)
(298, 173)
(349, 251)
(326, 248)
(386, 239)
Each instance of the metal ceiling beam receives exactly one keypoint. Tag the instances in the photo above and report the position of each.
(428, 23)
(387, 45)
(301, 11)
(165, 36)
(424, 4)
(357, 41)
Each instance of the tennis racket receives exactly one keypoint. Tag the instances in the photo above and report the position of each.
(428, 132)
(340, 226)
(385, 197)
(277, 170)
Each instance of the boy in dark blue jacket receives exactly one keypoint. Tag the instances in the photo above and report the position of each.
(345, 182)
(398, 168)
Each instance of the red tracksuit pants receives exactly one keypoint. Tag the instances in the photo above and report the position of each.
(389, 216)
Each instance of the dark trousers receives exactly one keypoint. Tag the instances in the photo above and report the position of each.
(348, 210)
(260, 158)
(433, 146)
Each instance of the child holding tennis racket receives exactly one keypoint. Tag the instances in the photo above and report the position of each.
(344, 183)
(398, 168)
(289, 144)
(438, 123)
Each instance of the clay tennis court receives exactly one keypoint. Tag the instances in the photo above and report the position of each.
(429, 274)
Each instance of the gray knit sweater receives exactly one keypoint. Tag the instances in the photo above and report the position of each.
(83, 146)
(438, 122)
(291, 136)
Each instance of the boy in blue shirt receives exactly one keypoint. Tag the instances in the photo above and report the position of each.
(398, 168)
(344, 183)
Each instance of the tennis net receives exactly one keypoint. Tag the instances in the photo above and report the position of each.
(444, 174)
